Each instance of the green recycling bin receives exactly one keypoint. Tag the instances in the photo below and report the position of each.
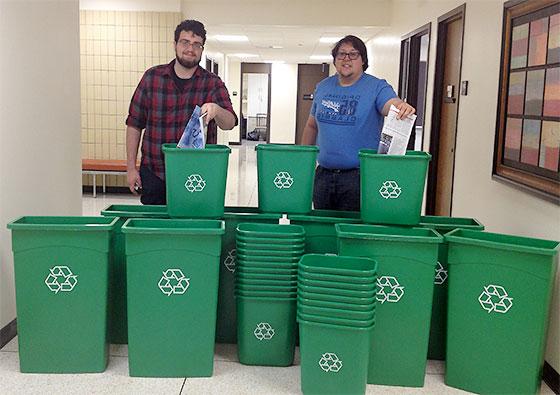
(226, 323)
(438, 324)
(392, 186)
(500, 290)
(196, 180)
(172, 282)
(118, 332)
(320, 236)
(285, 177)
(61, 274)
(406, 258)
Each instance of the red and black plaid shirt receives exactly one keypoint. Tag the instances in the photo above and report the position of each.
(159, 107)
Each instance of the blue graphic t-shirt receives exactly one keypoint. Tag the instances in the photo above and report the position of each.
(348, 118)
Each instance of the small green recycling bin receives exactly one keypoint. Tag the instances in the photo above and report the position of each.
(320, 235)
(406, 259)
(226, 324)
(500, 290)
(172, 282)
(61, 273)
(438, 325)
(285, 177)
(196, 180)
(392, 186)
(117, 276)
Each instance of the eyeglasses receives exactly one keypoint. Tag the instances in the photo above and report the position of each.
(351, 55)
(187, 43)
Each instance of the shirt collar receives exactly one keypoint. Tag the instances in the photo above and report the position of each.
(169, 69)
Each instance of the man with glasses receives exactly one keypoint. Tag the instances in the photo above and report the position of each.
(346, 116)
(163, 104)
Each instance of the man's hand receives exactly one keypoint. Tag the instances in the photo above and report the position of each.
(134, 181)
(224, 118)
(405, 110)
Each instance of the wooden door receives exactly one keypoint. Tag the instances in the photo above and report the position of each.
(309, 75)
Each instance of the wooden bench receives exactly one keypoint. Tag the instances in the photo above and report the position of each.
(103, 167)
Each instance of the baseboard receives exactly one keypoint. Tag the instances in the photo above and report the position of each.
(8, 333)
(551, 378)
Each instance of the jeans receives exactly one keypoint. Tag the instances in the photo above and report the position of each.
(336, 189)
(153, 188)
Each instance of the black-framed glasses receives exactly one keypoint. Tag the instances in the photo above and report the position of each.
(187, 43)
(351, 55)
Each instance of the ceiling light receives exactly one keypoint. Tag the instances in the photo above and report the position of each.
(320, 57)
(231, 38)
(329, 40)
(244, 55)
(274, 61)
(275, 47)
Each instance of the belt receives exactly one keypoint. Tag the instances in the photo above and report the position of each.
(338, 171)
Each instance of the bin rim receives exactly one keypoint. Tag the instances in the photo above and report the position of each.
(342, 285)
(197, 227)
(252, 229)
(332, 326)
(372, 153)
(323, 219)
(120, 210)
(55, 222)
(503, 242)
(208, 149)
(335, 321)
(250, 216)
(286, 147)
(304, 265)
(446, 223)
(266, 299)
(388, 233)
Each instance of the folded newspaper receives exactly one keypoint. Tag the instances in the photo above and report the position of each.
(194, 135)
(396, 133)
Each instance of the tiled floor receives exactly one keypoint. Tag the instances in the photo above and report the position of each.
(230, 377)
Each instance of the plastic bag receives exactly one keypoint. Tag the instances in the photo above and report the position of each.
(194, 134)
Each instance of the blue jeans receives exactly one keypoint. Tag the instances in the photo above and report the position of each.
(336, 189)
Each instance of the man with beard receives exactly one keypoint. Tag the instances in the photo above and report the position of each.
(162, 105)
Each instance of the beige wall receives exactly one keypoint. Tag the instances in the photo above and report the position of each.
(500, 207)
(283, 103)
(39, 121)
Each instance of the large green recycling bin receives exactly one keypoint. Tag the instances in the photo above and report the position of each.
(118, 332)
(226, 324)
(196, 180)
(61, 272)
(406, 259)
(320, 235)
(172, 283)
(392, 186)
(438, 325)
(500, 290)
(285, 177)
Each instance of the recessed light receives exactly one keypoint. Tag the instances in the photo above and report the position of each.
(275, 47)
(329, 40)
(231, 37)
(244, 55)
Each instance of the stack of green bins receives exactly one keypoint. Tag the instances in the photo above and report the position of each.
(406, 259)
(226, 322)
(285, 177)
(336, 315)
(500, 291)
(172, 283)
(61, 272)
(438, 325)
(118, 332)
(265, 291)
(320, 235)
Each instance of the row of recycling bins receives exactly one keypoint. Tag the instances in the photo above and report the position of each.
(171, 287)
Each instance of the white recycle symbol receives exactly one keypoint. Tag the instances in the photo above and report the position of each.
(329, 362)
(495, 298)
(61, 278)
(264, 331)
(283, 179)
(173, 282)
(389, 290)
(390, 190)
(231, 261)
(441, 274)
(195, 183)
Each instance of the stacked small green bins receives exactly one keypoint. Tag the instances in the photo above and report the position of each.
(172, 282)
(438, 325)
(61, 273)
(265, 291)
(336, 315)
(392, 186)
(118, 332)
(285, 177)
(500, 289)
(226, 324)
(196, 180)
(406, 260)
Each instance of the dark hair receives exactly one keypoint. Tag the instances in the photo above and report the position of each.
(357, 43)
(190, 25)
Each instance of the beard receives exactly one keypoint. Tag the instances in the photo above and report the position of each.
(189, 64)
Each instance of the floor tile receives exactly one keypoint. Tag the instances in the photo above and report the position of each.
(435, 367)
(11, 346)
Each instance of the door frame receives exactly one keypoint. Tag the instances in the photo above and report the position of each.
(437, 99)
(298, 108)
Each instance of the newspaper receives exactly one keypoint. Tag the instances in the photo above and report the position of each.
(194, 135)
(396, 133)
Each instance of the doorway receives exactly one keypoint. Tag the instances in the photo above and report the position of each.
(309, 75)
(255, 102)
(443, 135)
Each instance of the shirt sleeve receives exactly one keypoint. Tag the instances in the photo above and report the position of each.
(384, 94)
(220, 96)
(138, 109)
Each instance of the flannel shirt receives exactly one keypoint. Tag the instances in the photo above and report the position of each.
(163, 111)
